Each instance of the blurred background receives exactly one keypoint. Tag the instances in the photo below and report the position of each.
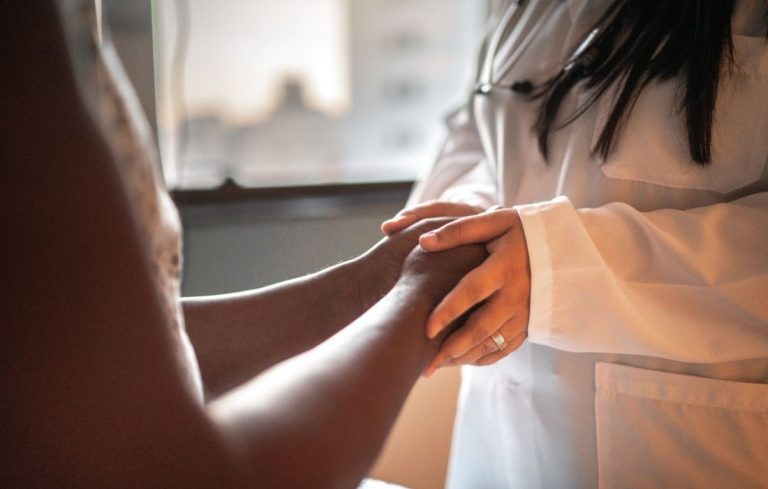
(294, 92)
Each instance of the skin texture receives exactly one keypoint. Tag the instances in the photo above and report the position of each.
(232, 347)
(499, 289)
(345, 394)
(92, 393)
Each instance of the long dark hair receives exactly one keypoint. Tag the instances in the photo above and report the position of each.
(635, 43)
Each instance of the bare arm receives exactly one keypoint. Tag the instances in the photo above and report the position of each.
(328, 411)
(236, 336)
(92, 394)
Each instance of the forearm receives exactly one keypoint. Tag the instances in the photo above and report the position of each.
(236, 336)
(320, 419)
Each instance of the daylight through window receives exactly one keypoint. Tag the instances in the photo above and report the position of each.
(297, 93)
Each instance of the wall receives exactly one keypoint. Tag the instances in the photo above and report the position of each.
(231, 247)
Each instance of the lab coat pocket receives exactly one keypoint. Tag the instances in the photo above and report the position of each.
(653, 146)
(656, 429)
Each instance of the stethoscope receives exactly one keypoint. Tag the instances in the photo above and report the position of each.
(488, 81)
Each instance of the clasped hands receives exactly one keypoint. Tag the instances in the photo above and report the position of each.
(499, 288)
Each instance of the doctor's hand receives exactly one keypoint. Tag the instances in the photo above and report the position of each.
(501, 286)
(435, 208)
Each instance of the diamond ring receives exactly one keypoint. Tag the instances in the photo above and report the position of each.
(501, 343)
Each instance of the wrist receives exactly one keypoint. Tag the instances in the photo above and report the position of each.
(367, 280)
(410, 307)
(379, 269)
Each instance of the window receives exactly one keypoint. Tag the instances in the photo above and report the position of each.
(297, 92)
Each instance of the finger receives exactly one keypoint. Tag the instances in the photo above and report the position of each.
(475, 287)
(487, 347)
(479, 328)
(479, 228)
(475, 339)
(398, 223)
(410, 215)
(512, 345)
(509, 331)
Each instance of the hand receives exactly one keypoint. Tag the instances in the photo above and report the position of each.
(432, 275)
(384, 261)
(503, 282)
(411, 215)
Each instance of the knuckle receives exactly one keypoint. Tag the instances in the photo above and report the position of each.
(480, 334)
(457, 231)
(489, 347)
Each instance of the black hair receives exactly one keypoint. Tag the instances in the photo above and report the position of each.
(636, 42)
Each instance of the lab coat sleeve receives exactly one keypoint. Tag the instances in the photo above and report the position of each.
(687, 285)
(460, 172)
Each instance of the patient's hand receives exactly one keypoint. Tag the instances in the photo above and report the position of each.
(430, 276)
(384, 261)
(435, 274)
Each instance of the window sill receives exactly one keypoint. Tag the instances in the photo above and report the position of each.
(231, 192)
(231, 202)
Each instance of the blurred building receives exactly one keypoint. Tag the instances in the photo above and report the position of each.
(295, 143)
(410, 60)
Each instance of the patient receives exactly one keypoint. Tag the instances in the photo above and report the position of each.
(295, 385)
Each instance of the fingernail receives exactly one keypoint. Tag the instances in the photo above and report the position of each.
(428, 239)
(433, 330)
(400, 219)
(395, 222)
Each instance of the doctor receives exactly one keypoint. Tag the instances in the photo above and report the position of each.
(613, 159)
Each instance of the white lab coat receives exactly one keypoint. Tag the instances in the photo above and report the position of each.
(647, 358)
